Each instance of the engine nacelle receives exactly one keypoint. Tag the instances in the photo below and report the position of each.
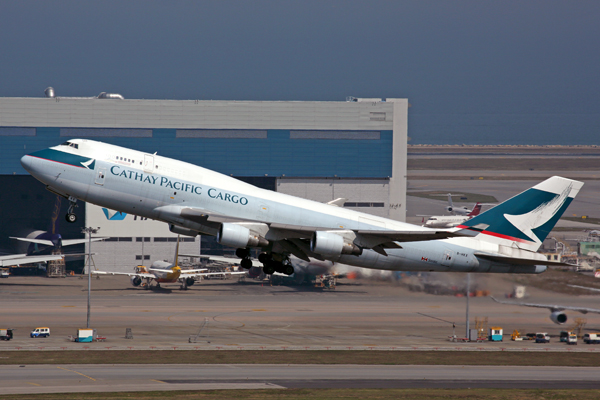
(234, 235)
(558, 317)
(190, 281)
(182, 231)
(330, 244)
(136, 280)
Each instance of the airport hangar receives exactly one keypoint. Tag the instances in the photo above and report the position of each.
(354, 149)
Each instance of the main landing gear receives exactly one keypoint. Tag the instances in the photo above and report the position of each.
(271, 266)
(71, 217)
(244, 254)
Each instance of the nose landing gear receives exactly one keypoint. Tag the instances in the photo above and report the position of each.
(71, 217)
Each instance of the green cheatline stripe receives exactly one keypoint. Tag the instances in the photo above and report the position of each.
(62, 157)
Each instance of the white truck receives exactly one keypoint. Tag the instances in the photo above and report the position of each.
(591, 338)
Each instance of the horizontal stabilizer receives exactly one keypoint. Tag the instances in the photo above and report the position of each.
(521, 261)
(38, 241)
(28, 260)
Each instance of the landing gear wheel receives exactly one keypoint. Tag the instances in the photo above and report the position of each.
(242, 252)
(288, 269)
(71, 217)
(246, 263)
(264, 257)
(269, 269)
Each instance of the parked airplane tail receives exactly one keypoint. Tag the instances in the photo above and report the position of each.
(475, 211)
(525, 220)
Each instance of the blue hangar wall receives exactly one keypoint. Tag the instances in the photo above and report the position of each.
(243, 153)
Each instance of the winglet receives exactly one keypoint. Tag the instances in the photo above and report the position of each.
(339, 202)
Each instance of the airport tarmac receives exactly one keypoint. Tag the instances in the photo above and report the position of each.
(358, 314)
(119, 378)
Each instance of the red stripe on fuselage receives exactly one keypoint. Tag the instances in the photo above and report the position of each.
(498, 235)
(47, 159)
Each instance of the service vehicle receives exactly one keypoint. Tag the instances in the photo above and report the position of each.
(572, 338)
(542, 337)
(40, 332)
(6, 334)
(591, 338)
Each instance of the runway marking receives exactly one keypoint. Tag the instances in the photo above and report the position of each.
(67, 306)
(79, 373)
(34, 384)
(260, 309)
(156, 380)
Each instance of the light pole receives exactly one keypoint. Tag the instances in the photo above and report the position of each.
(89, 231)
(468, 292)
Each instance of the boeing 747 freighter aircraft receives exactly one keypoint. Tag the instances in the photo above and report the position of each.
(195, 200)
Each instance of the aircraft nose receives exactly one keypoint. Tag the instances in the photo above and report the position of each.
(27, 162)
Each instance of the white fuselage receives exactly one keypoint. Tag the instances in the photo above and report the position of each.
(159, 188)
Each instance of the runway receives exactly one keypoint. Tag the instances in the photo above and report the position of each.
(118, 378)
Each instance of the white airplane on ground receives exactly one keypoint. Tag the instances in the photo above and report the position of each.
(163, 272)
(456, 210)
(44, 246)
(450, 221)
(557, 311)
(195, 200)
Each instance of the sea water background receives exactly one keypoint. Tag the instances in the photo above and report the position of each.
(504, 129)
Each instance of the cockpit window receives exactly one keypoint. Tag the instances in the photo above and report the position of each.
(74, 145)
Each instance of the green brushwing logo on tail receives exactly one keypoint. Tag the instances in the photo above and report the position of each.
(527, 217)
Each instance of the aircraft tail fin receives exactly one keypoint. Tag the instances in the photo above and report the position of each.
(525, 220)
(475, 211)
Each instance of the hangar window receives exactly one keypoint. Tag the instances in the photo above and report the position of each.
(139, 257)
(105, 132)
(335, 135)
(363, 204)
(17, 131)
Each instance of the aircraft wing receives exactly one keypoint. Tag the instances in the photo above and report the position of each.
(138, 274)
(202, 274)
(188, 271)
(65, 242)
(234, 261)
(585, 287)
(69, 242)
(552, 307)
(8, 261)
(296, 231)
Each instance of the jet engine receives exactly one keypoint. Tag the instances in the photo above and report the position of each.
(234, 235)
(558, 317)
(182, 231)
(136, 280)
(331, 244)
(190, 281)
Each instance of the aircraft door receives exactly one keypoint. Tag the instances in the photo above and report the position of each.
(148, 163)
(100, 175)
(448, 258)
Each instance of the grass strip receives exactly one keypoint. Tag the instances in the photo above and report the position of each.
(364, 357)
(326, 394)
